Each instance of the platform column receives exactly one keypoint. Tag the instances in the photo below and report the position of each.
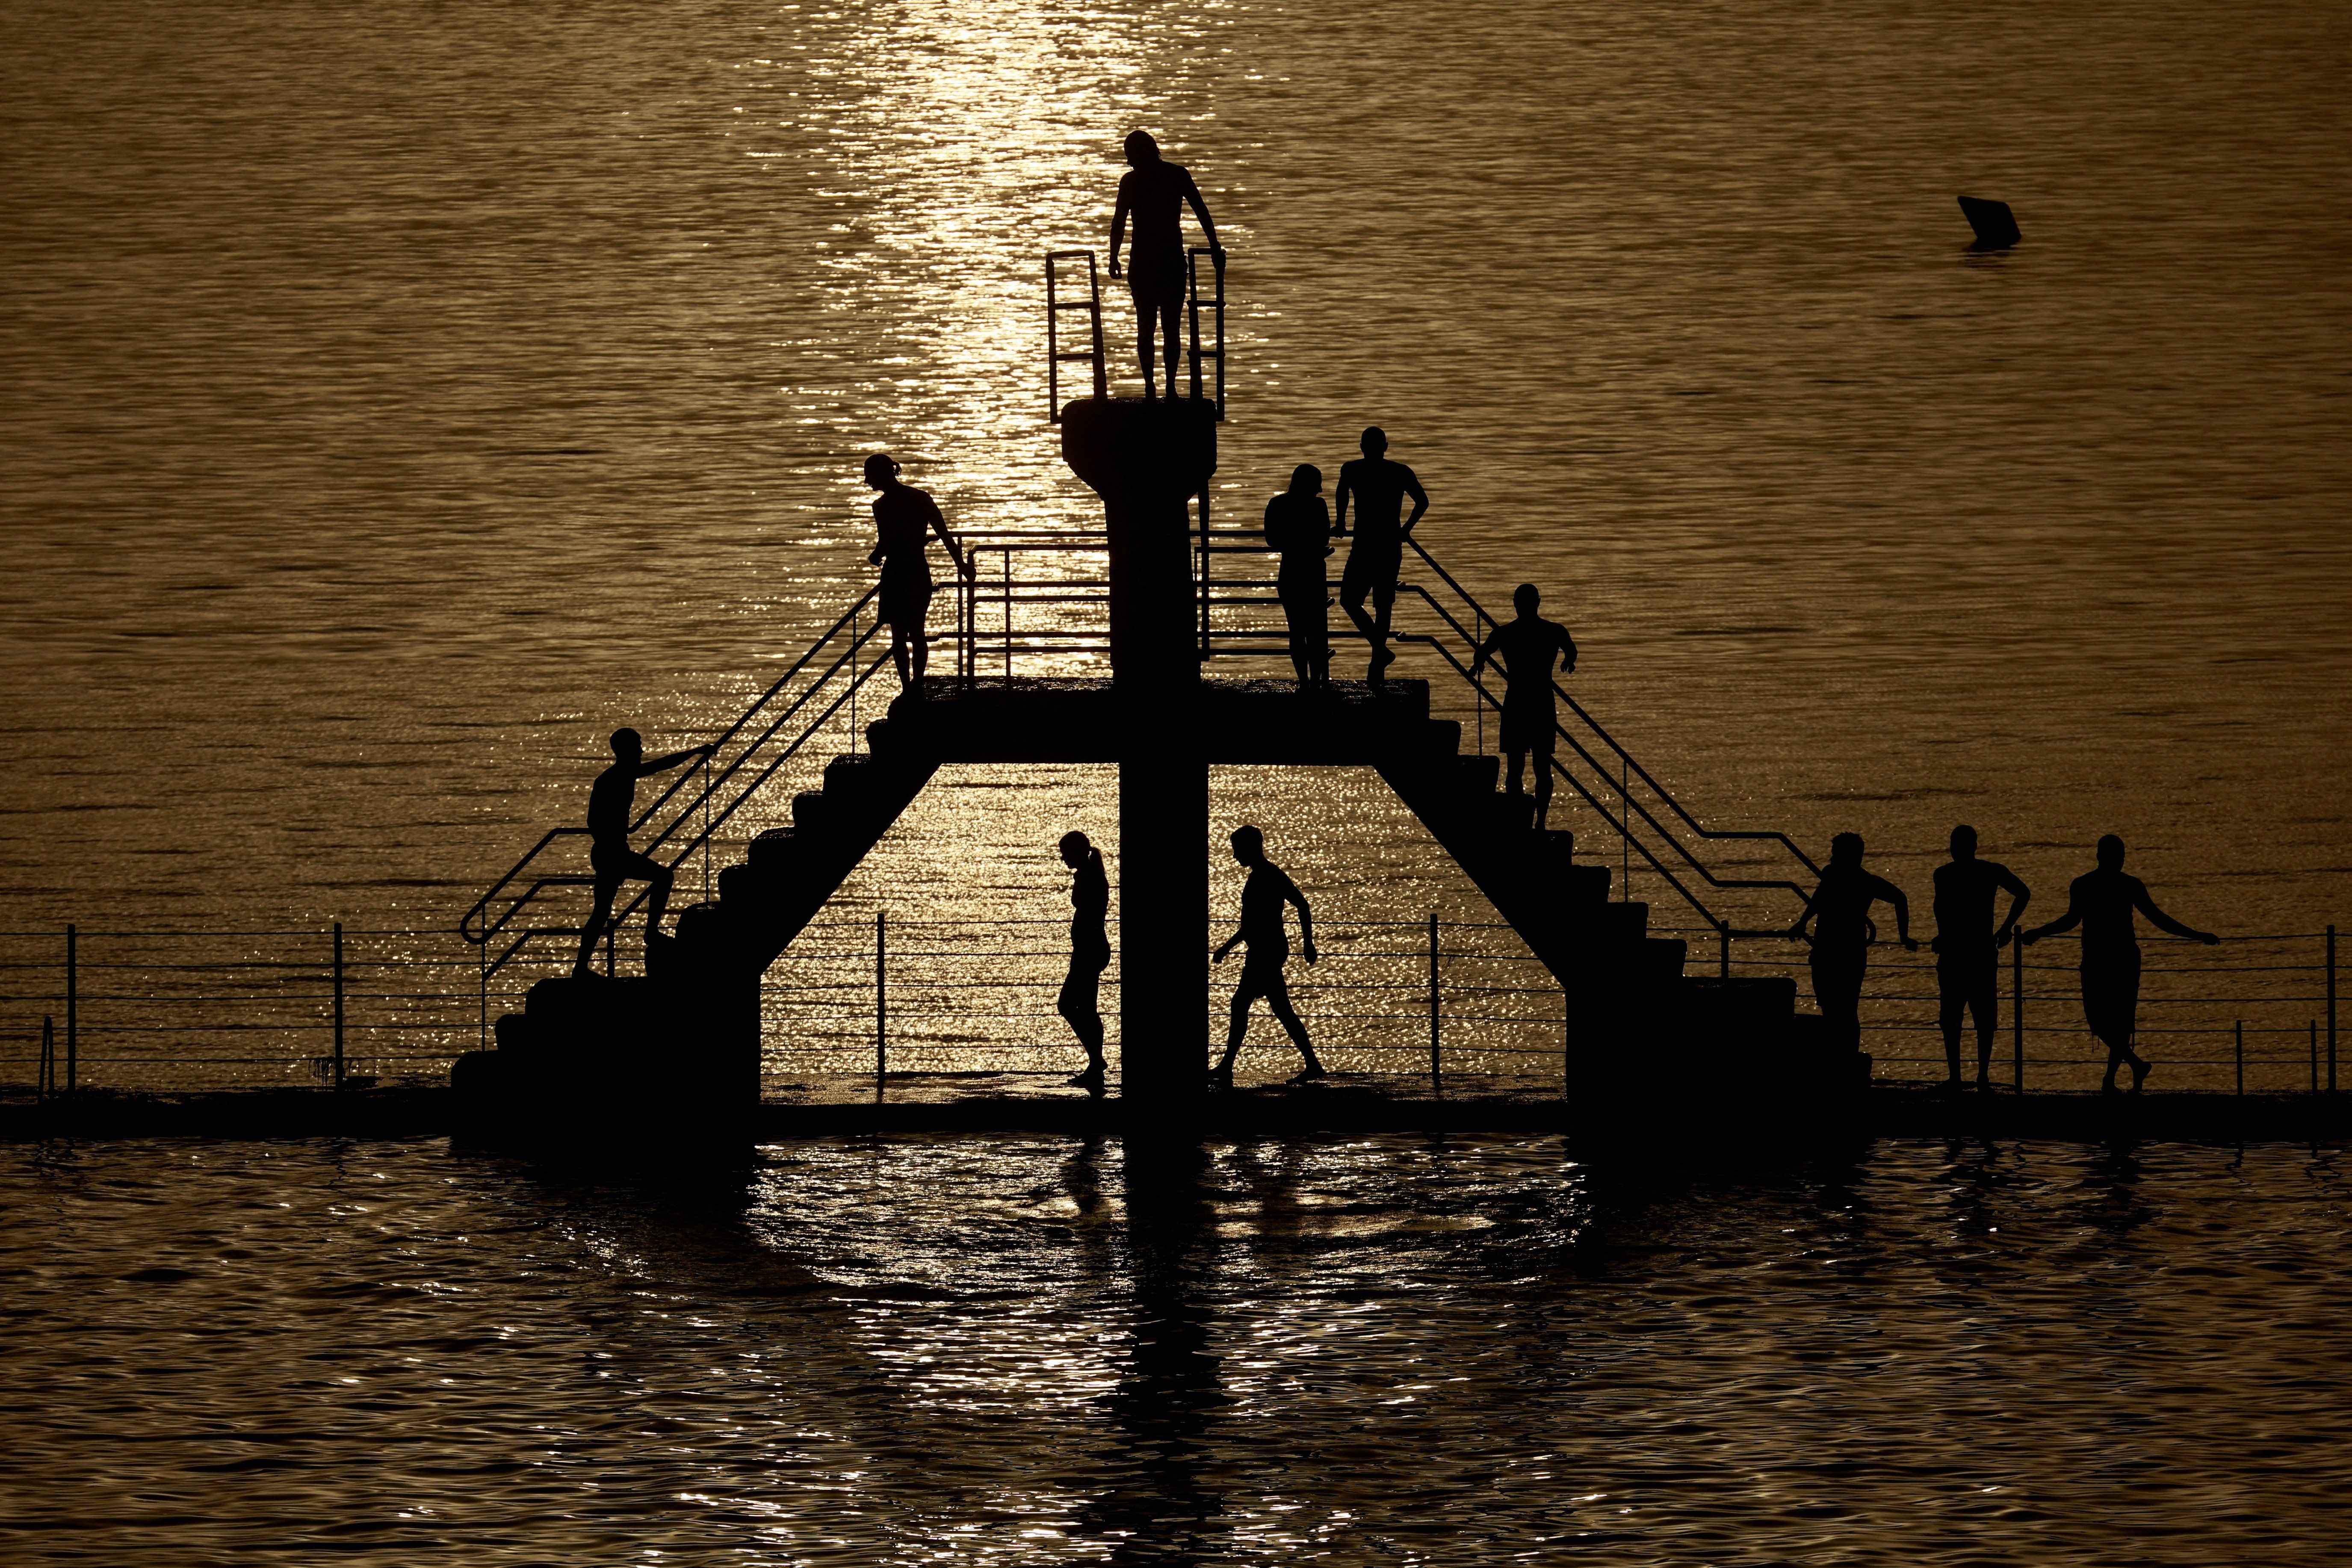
(1147, 460)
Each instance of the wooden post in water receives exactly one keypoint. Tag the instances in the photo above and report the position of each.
(2017, 1009)
(1434, 1064)
(881, 1001)
(339, 1006)
(73, 1011)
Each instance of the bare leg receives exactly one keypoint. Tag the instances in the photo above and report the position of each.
(661, 886)
(1236, 1032)
(589, 934)
(919, 655)
(1170, 335)
(1080, 1008)
(1279, 1001)
(1543, 787)
(899, 655)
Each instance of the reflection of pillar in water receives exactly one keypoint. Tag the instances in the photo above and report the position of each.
(1147, 460)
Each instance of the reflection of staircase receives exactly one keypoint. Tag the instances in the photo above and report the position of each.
(1649, 1026)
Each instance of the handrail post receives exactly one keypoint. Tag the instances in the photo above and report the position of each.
(1723, 940)
(339, 1006)
(1006, 555)
(486, 997)
(1435, 1064)
(2017, 1009)
(2331, 1009)
(1204, 546)
(2240, 1032)
(2312, 1025)
(73, 1010)
(46, 1084)
(881, 1001)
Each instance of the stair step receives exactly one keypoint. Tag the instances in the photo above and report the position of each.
(773, 847)
(1583, 884)
(1477, 772)
(1660, 958)
(848, 774)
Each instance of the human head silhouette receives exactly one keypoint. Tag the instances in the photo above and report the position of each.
(1141, 149)
(1375, 441)
(1964, 842)
(628, 745)
(1249, 846)
(1305, 479)
(1074, 848)
(2111, 853)
(1526, 598)
(1845, 849)
(880, 471)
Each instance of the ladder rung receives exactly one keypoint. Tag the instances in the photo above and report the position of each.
(1073, 305)
(1088, 357)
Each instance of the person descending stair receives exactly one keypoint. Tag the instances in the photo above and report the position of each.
(906, 516)
(1262, 932)
(1842, 932)
(1080, 1004)
(2102, 901)
(1526, 648)
(1298, 529)
(1378, 487)
(612, 805)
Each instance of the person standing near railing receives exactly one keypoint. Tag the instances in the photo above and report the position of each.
(906, 518)
(1379, 487)
(1298, 529)
(612, 807)
(1156, 193)
(1968, 961)
(2101, 902)
(1261, 932)
(1526, 647)
(1080, 1004)
(1842, 932)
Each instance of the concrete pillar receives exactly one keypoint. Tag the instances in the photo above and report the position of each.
(1147, 459)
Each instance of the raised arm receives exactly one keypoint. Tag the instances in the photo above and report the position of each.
(663, 764)
(1420, 500)
(2147, 906)
(2020, 895)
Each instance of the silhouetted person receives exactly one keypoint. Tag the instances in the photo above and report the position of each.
(612, 807)
(1299, 529)
(1156, 193)
(1526, 647)
(1968, 949)
(906, 518)
(1080, 1004)
(2102, 903)
(1842, 932)
(1262, 932)
(1379, 487)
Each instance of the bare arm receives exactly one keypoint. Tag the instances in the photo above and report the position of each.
(1567, 652)
(2020, 895)
(2067, 922)
(1340, 504)
(1201, 211)
(663, 764)
(955, 551)
(1305, 918)
(1420, 501)
(1486, 651)
(1894, 895)
(1118, 228)
(1804, 917)
(2147, 906)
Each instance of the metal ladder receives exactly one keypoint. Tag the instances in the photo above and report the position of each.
(1092, 305)
(1215, 304)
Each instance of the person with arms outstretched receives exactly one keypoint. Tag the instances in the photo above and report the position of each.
(906, 518)
(2102, 901)
(612, 807)
(1298, 529)
(1378, 487)
(1526, 647)
(1839, 911)
(1080, 1004)
(1262, 932)
(1968, 959)
(1155, 192)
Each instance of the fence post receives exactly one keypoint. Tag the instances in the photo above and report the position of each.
(339, 1006)
(1006, 554)
(46, 1084)
(1433, 1063)
(2313, 1024)
(73, 1012)
(2239, 1033)
(2331, 1009)
(881, 1001)
(486, 997)
(2017, 1009)
(1723, 942)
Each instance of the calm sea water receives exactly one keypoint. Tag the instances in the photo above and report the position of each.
(1441, 1351)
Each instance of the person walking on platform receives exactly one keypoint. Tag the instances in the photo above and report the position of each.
(2102, 901)
(1526, 648)
(1261, 932)
(612, 807)
(1298, 529)
(1378, 487)
(1842, 932)
(1080, 1004)
(905, 517)
(1156, 193)
(1968, 960)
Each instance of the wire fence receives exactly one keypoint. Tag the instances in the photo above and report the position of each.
(163, 1011)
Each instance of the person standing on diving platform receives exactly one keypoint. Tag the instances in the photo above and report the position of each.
(1156, 193)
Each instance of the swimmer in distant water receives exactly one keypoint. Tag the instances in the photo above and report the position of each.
(2102, 903)
(1156, 193)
